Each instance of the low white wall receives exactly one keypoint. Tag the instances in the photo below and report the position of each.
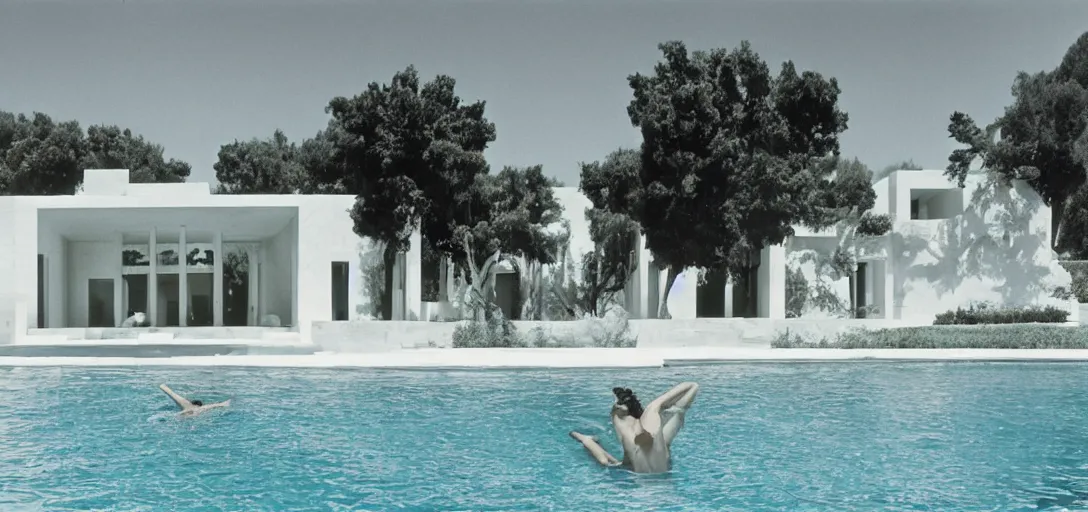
(377, 336)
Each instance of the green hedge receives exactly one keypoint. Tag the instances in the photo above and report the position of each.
(985, 314)
(1015, 336)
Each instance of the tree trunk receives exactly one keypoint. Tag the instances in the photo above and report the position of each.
(389, 259)
(1057, 211)
(853, 293)
(663, 311)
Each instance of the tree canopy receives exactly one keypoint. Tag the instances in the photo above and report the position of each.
(614, 188)
(411, 154)
(1041, 138)
(110, 147)
(269, 166)
(726, 152)
(39, 156)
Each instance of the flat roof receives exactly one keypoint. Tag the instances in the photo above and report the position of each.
(237, 223)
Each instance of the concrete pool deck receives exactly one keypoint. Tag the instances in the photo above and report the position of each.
(523, 358)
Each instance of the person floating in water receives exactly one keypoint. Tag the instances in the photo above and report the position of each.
(645, 434)
(190, 407)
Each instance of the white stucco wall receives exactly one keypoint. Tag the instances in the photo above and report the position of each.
(88, 260)
(276, 275)
(51, 244)
(7, 269)
(985, 242)
(321, 233)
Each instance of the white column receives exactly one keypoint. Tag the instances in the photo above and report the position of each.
(728, 291)
(153, 278)
(413, 284)
(634, 296)
(772, 282)
(118, 282)
(183, 280)
(254, 301)
(217, 279)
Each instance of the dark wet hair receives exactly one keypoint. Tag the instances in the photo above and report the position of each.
(627, 398)
(197, 403)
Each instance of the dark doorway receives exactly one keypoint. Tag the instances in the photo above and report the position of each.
(168, 301)
(200, 300)
(340, 291)
(236, 272)
(42, 287)
(859, 290)
(710, 295)
(100, 311)
(746, 294)
(137, 294)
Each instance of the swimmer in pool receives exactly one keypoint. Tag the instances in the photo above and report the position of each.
(646, 434)
(190, 408)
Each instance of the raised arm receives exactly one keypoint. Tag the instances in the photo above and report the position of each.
(178, 399)
(682, 396)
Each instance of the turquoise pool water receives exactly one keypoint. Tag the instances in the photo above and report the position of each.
(947, 437)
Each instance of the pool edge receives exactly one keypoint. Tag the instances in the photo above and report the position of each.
(584, 358)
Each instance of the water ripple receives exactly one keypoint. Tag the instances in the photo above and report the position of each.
(947, 437)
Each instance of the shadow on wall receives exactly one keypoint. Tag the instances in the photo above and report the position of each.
(373, 301)
(997, 250)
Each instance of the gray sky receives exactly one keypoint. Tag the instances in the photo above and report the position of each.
(193, 75)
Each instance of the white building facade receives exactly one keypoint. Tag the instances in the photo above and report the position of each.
(189, 258)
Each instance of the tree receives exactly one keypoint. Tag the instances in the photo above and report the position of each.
(725, 154)
(1041, 138)
(269, 166)
(410, 154)
(39, 156)
(614, 189)
(110, 147)
(514, 214)
(845, 202)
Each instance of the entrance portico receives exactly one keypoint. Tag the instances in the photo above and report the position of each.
(182, 267)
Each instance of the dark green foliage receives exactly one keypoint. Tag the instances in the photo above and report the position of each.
(494, 331)
(796, 292)
(614, 189)
(110, 147)
(1041, 138)
(874, 225)
(41, 157)
(269, 166)
(1078, 270)
(411, 153)
(985, 314)
(1008, 336)
(725, 154)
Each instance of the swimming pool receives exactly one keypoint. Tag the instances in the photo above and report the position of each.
(837, 436)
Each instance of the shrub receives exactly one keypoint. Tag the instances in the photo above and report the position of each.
(495, 331)
(986, 314)
(1015, 336)
(610, 331)
(1078, 270)
(796, 292)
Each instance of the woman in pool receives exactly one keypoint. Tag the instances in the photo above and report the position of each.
(190, 408)
(644, 433)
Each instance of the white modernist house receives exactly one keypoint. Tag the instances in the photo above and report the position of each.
(90, 259)
(189, 258)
